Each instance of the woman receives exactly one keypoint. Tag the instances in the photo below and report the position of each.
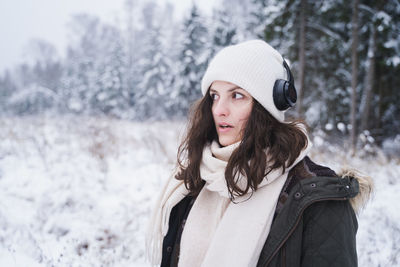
(245, 193)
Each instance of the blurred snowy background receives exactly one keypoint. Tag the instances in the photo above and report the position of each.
(90, 121)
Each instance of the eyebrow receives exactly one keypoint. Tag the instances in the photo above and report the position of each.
(229, 90)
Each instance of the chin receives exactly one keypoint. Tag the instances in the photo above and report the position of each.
(226, 141)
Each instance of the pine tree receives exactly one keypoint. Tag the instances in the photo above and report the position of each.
(192, 60)
(380, 48)
(111, 96)
(317, 48)
(7, 88)
(80, 78)
(96, 69)
(154, 88)
(223, 29)
(38, 80)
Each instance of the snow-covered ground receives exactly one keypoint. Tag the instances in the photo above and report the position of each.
(78, 191)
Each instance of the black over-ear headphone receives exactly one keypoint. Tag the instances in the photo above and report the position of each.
(284, 93)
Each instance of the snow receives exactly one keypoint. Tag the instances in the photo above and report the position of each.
(77, 191)
(31, 92)
(392, 146)
(328, 126)
(341, 126)
(395, 60)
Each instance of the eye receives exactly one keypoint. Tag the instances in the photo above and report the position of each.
(237, 95)
(213, 96)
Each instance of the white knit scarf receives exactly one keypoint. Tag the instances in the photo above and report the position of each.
(219, 232)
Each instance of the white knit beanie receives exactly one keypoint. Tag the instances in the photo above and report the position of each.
(252, 65)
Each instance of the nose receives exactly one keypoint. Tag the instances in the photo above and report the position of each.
(220, 108)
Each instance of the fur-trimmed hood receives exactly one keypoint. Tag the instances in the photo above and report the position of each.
(366, 187)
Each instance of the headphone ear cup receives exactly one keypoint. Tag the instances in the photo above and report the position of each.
(279, 96)
(290, 94)
(284, 92)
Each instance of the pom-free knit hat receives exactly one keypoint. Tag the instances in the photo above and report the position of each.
(252, 65)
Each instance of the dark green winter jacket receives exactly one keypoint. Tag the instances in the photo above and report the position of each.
(314, 224)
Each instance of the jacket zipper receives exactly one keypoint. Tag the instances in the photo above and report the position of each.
(295, 225)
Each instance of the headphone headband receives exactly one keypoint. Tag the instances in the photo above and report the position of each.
(284, 93)
(288, 72)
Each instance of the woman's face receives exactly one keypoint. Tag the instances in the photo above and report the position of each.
(231, 108)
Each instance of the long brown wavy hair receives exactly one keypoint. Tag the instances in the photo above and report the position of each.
(284, 142)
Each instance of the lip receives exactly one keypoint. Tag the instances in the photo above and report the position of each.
(224, 130)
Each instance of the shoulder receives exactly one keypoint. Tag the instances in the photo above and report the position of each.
(361, 184)
(314, 207)
(305, 170)
(325, 198)
(319, 181)
(309, 182)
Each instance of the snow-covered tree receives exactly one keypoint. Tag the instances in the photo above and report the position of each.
(95, 69)
(37, 80)
(7, 88)
(111, 96)
(80, 79)
(153, 67)
(380, 49)
(154, 89)
(192, 62)
(223, 29)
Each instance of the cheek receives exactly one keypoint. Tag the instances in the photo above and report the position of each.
(212, 111)
(244, 115)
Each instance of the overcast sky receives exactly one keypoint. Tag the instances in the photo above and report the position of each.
(23, 20)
